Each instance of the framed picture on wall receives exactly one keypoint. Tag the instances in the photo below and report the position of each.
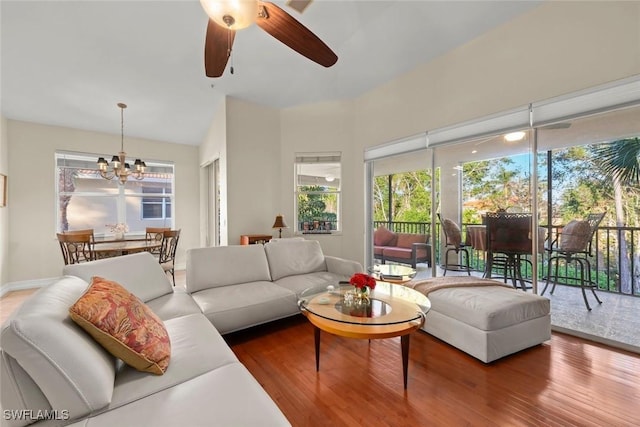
(3, 190)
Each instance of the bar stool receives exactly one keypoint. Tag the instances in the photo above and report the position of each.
(573, 246)
(453, 242)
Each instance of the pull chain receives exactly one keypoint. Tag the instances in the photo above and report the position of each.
(229, 50)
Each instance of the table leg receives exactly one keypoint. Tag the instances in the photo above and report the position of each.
(488, 265)
(316, 333)
(404, 342)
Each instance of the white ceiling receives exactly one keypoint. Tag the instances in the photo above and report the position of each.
(68, 63)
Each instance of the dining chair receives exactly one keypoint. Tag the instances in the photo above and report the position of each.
(509, 234)
(453, 242)
(77, 246)
(168, 252)
(155, 234)
(573, 246)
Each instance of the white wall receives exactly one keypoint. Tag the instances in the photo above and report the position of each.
(317, 128)
(33, 249)
(4, 212)
(214, 147)
(253, 162)
(557, 48)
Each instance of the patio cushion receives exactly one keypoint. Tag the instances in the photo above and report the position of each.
(383, 237)
(404, 253)
(575, 236)
(453, 233)
(406, 240)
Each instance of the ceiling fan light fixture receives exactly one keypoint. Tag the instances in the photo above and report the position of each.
(514, 136)
(231, 14)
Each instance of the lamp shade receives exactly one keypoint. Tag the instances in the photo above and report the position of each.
(279, 222)
(231, 14)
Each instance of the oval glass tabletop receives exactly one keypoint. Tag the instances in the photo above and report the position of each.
(388, 304)
(393, 273)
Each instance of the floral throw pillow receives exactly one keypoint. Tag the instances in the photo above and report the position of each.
(123, 325)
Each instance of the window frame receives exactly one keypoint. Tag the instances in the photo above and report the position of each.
(330, 161)
(124, 195)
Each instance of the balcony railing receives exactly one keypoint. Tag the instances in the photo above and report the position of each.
(611, 271)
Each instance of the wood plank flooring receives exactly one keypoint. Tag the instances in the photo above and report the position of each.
(567, 381)
(564, 382)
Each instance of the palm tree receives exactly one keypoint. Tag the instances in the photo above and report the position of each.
(620, 160)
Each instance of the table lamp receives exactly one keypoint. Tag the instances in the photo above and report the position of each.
(279, 223)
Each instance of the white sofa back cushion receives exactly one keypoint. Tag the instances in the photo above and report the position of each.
(140, 274)
(73, 371)
(225, 265)
(18, 393)
(296, 257)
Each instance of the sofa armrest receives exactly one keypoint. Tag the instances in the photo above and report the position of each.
(342, 267)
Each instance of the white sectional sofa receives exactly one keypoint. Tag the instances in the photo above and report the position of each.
(51, 368)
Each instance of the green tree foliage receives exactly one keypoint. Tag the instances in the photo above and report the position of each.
(314, 204)
(411, 195)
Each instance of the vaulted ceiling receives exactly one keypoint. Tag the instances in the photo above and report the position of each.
(68, 63)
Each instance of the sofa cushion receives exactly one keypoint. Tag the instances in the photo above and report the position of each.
(196, 348)
(384, 237)
(139, 273)
(176, 304)
(299, 283)
(226, 265)
(231, 308)
(406, 240)
(123, 325)
(19, 392)
(298, 257)
(73, 371)
(228, 396)
(489, 308)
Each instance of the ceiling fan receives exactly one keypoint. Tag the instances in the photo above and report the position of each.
(227, 16)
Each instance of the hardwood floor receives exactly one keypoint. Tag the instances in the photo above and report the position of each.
(567, 381)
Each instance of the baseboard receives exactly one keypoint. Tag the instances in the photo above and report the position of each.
(25, 284)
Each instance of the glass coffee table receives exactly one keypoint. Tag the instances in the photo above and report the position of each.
(394, 310)
(392, 273)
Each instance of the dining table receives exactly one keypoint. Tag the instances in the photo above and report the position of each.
(109, 247)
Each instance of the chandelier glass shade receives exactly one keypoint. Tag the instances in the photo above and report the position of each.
(119, 166)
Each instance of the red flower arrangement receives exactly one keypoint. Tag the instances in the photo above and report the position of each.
(362, 281)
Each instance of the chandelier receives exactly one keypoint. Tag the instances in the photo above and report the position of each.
(120, 167)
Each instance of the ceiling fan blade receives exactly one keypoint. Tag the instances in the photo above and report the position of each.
(289, 31)
(217, 48)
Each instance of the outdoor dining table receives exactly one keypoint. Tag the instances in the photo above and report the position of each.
(476, 238)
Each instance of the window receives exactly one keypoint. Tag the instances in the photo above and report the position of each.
(86, 200)
(318, 181)
(157, 207)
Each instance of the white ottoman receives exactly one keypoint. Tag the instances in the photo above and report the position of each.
(484, 317)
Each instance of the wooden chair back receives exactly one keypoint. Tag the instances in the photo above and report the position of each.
(155, 234)
(76, 247)
(169, 246)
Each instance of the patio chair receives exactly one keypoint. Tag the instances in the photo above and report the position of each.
(573, 245)
(453, 242)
